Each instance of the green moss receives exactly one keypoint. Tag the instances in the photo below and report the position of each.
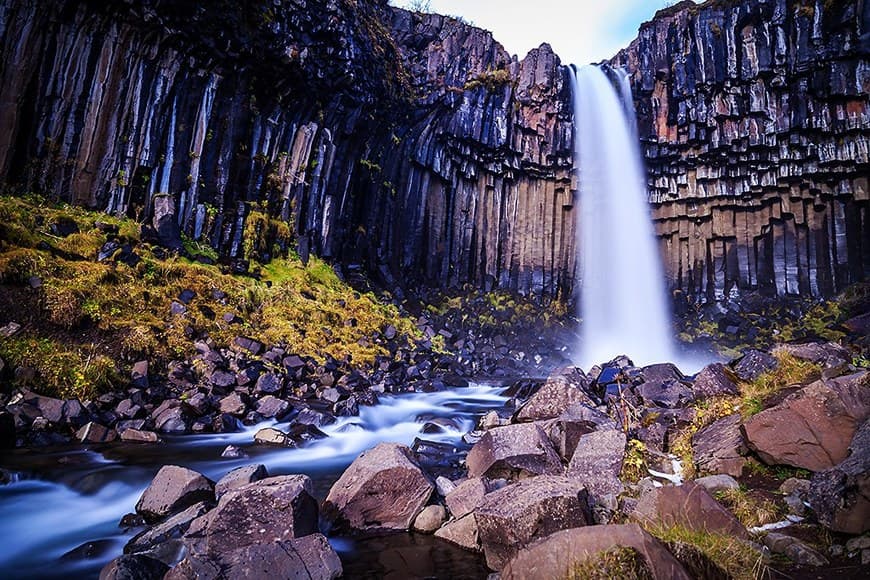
(492, 80)
(61, 371)
(789, 371)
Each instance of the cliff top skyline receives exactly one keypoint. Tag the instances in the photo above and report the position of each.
(579, 33)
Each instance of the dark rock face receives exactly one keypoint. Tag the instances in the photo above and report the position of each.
(133, 567)
(719, 447)
(754, 118)
(513, 450)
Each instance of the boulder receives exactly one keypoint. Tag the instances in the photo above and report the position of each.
(271, 406)
(310, 558)
(133, 567)
(811, 428)
(383, 489)
(239, 477)
(753, 364)
(552, 399)
(511, 451)
(840, 496)
(173, 489)
(430, 519)
(669, 394)
(172, 527)
(715, 380)
(462, 532)
(165, 222)
(689, 506)
(553, 556)
(138, 436)
(171, 419)
(95, 433)
(514, 516)
(269, 384)
(827, 354)
(468, 495)
(271, 436)
(265, 511)
(719, 447)
(233, 404)
(597, 462)
(718, 483)
(577, 420)
(795, 550)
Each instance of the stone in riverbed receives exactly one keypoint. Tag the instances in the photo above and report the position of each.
(383, 489)
(173, 527)
(239, 477)
(276, 508)
(522, 449)
(466, 496)
(173, 489)
(233, 404)
(133, 567)
(137, 436)
(271, 406)
(95, 433)
(271, 436)
(269, 384)
(813, 427)
(462, 532)
(522, 512)
(553, 555)
(430, 519)
(577, 420)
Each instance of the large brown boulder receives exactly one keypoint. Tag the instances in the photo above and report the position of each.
(719, 447)
(173, 489)
(511, 451)
(133, 567)
(383, 489)
(272, 509)
(462, 532)
(525, 511)
(306, 558)
(555, 555)
(577, 420)
(468, 495)
(840, 496)
(597, 462)
(552, 399)
(812, 428)
(690, 506)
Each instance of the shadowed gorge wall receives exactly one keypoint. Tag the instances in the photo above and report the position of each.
(415, 146)
(755, 125)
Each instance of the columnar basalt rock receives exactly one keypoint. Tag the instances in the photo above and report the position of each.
(413, 143)
(754, 118)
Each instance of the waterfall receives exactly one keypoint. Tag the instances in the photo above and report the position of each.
(623, 304)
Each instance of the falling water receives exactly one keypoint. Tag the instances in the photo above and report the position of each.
(622, 294)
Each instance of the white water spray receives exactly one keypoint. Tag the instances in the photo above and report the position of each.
(622, 287)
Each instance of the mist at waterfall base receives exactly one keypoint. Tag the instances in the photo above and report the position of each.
(623, 305)
(62, 508)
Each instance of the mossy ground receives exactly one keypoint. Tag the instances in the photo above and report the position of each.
(87, 318)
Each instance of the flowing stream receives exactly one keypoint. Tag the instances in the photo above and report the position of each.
(60, 514)
(623, 303)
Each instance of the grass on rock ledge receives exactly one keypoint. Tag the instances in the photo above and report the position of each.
(84, 316)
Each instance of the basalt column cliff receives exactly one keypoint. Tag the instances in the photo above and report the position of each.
(754, 117)
(412, 144)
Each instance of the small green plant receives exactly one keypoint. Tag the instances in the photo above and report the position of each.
(634, 465)
(751, 509)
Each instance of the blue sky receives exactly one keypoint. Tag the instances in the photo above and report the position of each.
(580, 32)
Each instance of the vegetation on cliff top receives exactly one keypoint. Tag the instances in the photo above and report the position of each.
(95, 295)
